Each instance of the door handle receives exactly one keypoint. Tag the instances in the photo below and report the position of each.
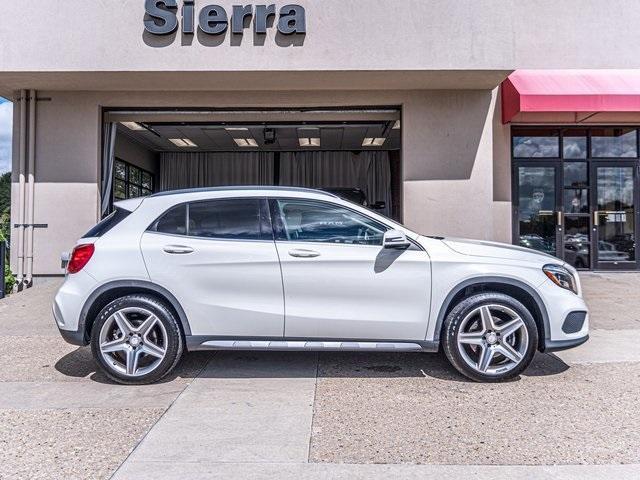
(178, 249)
(303, 253)
(596, 218)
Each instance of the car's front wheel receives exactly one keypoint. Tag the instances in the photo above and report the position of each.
(490, 337)
(136, 340)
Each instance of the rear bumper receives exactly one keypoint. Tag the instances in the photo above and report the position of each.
(558, 345)
(73, 337)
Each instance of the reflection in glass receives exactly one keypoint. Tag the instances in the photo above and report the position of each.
(536, 143)
(576, 241)
(614, 143)
(120, 170)
(575, 174)
(616, 214)
(536, 190)
(576, 200)
(574, 144)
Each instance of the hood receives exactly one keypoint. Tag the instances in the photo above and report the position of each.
(480, 248)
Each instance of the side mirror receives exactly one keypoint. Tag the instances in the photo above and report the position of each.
(395, 239)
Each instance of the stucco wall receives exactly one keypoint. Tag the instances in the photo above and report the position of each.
(448, 140)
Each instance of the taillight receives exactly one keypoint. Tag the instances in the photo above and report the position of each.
(79, 257)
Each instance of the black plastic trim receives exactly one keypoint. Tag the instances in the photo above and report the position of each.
(480, 280)
(574, 321)
(131, 284)
(74, 337)
(558, 345)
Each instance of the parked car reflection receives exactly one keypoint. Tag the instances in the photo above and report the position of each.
(536, 242)
(577, 250)
(607, 252)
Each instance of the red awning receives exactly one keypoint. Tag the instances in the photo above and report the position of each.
(556, 91)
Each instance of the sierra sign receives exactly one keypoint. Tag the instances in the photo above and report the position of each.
(162, 18)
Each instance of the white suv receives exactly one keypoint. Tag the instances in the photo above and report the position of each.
(266, 268)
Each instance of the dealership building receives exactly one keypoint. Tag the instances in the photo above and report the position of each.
(504, 120)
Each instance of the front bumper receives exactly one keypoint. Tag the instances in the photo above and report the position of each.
(568, 318)
(558, 345)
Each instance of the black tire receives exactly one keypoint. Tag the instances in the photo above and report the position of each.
(173, 345)
(452, 325)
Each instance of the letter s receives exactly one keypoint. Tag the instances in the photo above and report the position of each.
(163, 18)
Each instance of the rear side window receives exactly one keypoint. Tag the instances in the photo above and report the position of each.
(232, 219)
(239, 219)
(107, 223)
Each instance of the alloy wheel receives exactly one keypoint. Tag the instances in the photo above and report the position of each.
(133, 341)
(492, 339)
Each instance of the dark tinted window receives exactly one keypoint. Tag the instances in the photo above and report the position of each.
(174, 221)
(108, 223)
(324, 222)
(233, 219)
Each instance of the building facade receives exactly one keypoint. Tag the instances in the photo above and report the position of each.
(406, 102)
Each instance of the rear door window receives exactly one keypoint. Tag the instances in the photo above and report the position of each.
(237, 219)
(233, 219)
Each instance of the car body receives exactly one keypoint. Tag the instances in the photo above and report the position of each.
(311, 272)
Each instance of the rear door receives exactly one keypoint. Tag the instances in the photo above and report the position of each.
(218, 258)
(339, 282)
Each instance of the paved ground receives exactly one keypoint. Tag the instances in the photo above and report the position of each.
(337, 415)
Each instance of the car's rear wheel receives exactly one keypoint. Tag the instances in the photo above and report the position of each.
(136, 340)
(490, 337)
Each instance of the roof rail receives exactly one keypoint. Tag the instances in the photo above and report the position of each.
(242, 187)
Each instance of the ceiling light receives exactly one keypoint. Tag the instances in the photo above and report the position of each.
(396, 126)
(132, 125)
(373, 142)
(309, 142)
(182, 142)
(236, 129)
(245, 142)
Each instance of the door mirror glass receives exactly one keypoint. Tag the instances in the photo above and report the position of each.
(395, 239)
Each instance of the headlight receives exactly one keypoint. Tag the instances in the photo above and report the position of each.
(561, 277)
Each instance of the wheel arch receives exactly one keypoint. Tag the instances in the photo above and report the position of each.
(517, 289)
(108, 292)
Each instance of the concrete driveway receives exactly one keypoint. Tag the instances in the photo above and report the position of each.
(306, 415)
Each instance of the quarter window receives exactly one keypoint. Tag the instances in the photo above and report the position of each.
(173, 222)
(304, 221)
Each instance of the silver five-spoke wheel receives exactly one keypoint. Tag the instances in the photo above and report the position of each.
(492, 339)
(133, 341)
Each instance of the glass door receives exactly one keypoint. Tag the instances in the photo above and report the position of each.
(537, 215)
(615, 206)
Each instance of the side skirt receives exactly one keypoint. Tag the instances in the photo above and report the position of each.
(203, 342)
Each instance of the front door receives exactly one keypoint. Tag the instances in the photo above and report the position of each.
(339, 283)
(615, 215)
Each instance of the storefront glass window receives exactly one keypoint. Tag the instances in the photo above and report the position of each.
(574, 143)
(614, 143)
(575, 174)
(536, 143)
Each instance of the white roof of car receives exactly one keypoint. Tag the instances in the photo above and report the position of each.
(271, 189)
